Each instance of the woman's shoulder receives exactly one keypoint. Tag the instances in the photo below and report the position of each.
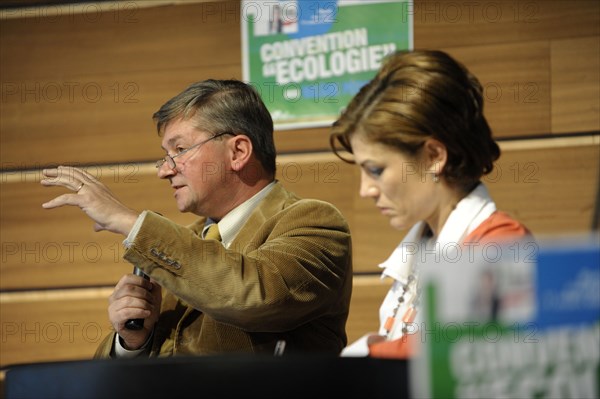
(498, 226)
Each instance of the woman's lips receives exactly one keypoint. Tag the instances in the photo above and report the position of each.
(385, 211)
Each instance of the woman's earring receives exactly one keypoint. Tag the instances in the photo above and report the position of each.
(436, 178)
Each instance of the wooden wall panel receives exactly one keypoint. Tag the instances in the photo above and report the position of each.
(69, 324)
(108, 120)
(58, 248)
(516, 82)
(447, 23)
(552, 186)
(576, 85)
(87, 84)
(52, 326)
(367, 294)
(122, 38)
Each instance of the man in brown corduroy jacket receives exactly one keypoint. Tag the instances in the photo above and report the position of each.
(260, 268)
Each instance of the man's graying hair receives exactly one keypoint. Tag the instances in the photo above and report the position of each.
(224, 106)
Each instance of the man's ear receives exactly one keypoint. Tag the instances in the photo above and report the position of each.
(241, 151)
(435, 156)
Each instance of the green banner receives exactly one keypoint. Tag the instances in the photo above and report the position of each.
(511, 325)
(309, 58)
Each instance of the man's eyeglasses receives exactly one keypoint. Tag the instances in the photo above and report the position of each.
(170, 159)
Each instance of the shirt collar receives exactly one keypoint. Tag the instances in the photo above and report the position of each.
(231, 223)
(467, 215)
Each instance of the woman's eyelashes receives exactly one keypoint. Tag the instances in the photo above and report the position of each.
(374, 171)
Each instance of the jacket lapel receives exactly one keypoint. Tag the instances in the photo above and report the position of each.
(269, 206)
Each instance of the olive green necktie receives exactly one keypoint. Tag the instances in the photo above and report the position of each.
(213, 233)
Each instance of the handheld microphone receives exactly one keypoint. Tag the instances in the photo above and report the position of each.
(136, 324)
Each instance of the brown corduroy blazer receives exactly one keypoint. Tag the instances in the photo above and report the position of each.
(286, 276)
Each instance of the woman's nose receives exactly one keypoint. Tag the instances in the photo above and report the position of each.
(368, 189)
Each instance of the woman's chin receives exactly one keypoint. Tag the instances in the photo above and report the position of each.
(399, 224)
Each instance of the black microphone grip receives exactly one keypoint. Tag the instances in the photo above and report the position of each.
(136, 324)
